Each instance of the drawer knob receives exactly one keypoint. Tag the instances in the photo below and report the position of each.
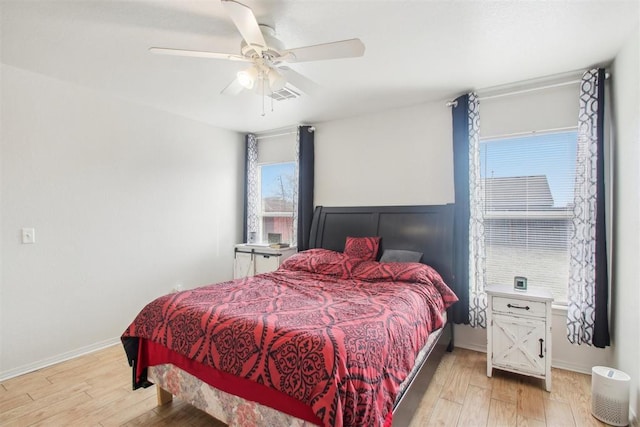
(526, 307)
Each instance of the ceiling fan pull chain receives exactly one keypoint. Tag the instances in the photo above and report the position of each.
(263, 98)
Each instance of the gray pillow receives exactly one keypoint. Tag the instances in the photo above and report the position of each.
(398, 255)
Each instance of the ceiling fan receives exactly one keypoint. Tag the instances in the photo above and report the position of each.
(267, 55)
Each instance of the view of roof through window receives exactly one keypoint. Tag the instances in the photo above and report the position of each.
(528, 185)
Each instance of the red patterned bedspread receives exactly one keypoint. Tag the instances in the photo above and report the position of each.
(339, 342)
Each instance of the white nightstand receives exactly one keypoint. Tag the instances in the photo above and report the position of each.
(519, 332)
(254, 259)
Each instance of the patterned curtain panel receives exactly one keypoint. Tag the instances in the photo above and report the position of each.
(587, 321)
(296, 186)
(477, 268)
(470, 271)
(252, 192)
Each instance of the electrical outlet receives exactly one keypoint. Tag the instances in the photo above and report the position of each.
(28, 235)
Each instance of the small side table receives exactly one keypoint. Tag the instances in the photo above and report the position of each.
(250, 260)
(519, 331)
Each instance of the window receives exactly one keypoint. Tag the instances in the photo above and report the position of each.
(528, 184)
(272, 188)
(278, 200)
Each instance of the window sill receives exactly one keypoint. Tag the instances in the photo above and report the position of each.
(559, 309)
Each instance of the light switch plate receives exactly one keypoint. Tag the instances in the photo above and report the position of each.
(28, 235)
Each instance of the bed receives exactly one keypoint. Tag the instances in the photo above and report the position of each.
(310, 344)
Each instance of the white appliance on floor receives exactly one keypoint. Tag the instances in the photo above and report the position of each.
(610, 395)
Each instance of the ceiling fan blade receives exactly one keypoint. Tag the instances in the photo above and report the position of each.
(233, 88)
(197, 53)
(301, 82)
(244, 19)
(342, 49)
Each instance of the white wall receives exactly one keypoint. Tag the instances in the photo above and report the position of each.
(398, 157)
(126, 202)
(626, 240)
(405, 157)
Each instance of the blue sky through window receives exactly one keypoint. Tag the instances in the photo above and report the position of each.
(551, 154)
(270, 177)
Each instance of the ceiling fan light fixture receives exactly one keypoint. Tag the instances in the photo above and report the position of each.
(247, 77)
(276, 80)
(261, 88)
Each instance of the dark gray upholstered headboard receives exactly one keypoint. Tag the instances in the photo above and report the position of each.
(427, 229)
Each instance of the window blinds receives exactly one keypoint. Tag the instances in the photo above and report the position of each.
(528, 187)
(528, 161)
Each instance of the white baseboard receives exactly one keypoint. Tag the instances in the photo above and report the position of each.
(569, 366)
(24, 369)
(478, 348)
(560, 364)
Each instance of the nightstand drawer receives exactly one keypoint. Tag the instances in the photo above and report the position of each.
(519, 307)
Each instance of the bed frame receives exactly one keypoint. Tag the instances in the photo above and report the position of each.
(426, 229)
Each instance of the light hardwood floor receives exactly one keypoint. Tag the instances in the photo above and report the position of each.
(95, 390)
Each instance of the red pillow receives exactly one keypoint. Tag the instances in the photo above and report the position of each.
(365, 248)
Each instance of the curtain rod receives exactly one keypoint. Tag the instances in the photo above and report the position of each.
(521, 91)
(532, 89)
(517, 92)
(293, 132)
(275, 135)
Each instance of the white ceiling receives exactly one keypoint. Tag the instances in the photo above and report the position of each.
(416, 51)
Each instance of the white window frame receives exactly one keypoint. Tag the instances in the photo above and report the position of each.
(264, 214)
(516, 215)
